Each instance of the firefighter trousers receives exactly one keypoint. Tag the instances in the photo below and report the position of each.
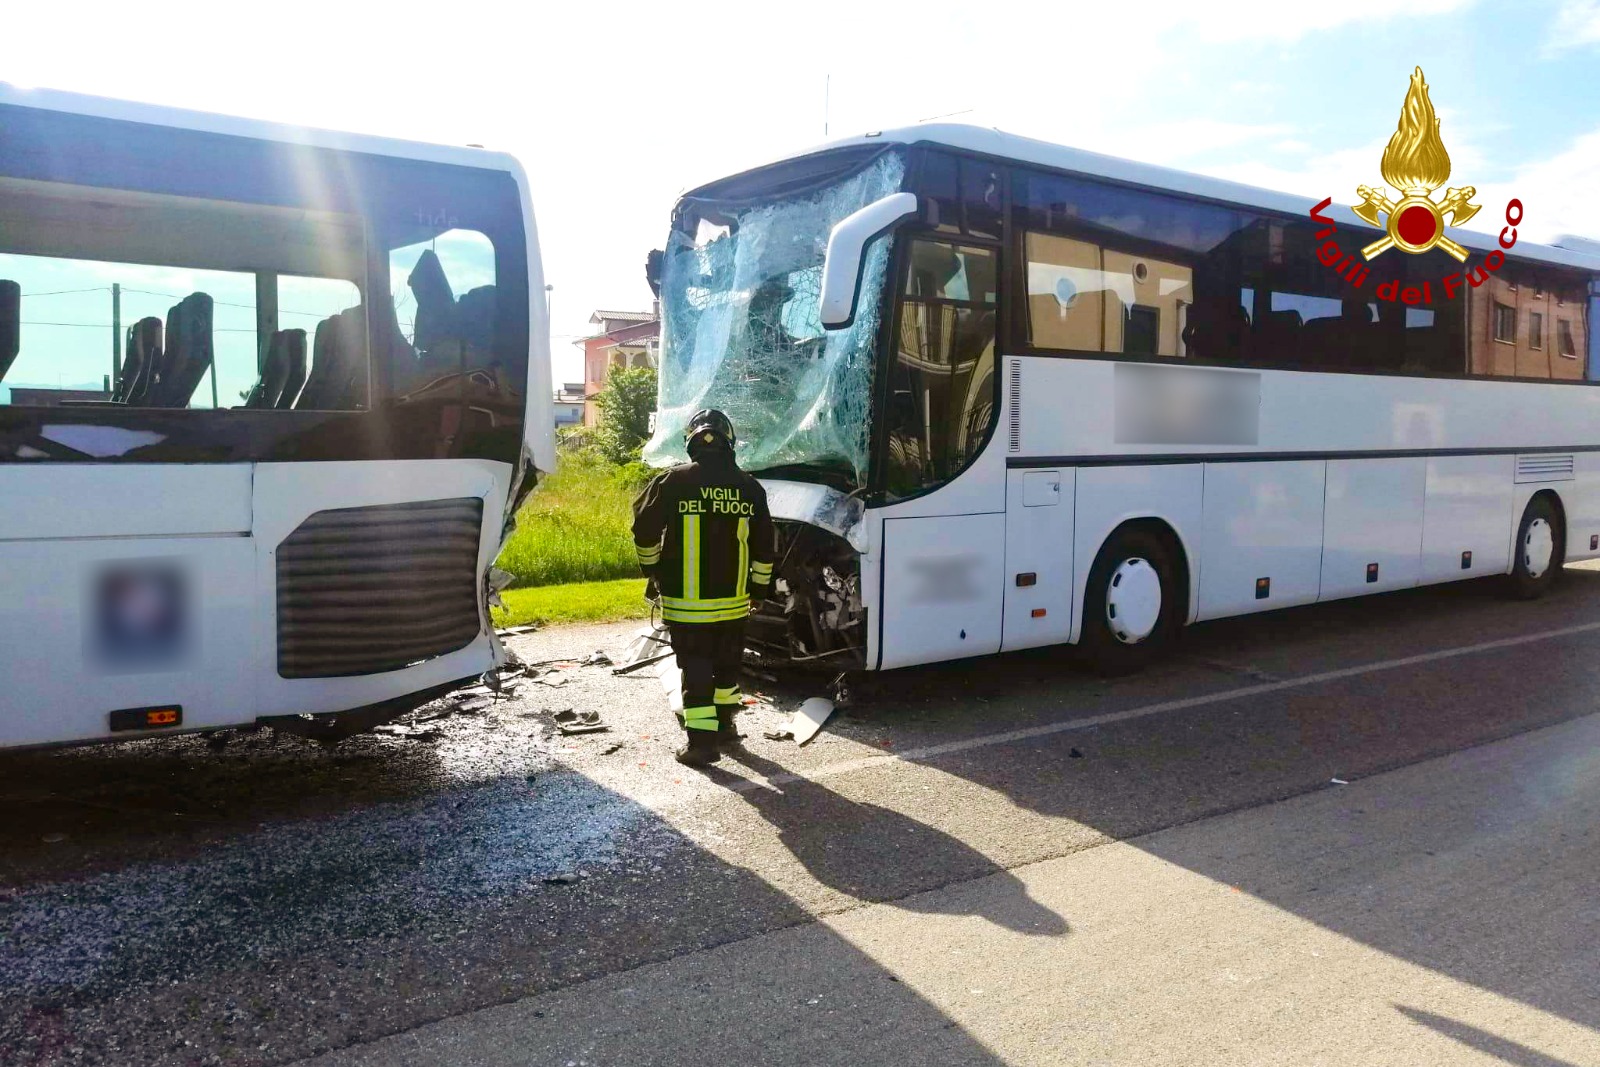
(709, 655)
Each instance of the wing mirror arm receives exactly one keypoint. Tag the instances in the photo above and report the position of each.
(847, 251)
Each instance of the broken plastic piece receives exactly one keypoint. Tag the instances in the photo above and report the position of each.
(778, 735)
(808, 719)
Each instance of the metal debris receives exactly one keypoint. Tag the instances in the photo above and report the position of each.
(597, 658)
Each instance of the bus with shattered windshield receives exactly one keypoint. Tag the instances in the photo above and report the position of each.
(269, 397)
(1006, 394)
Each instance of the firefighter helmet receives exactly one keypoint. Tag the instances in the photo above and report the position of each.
(708, 427)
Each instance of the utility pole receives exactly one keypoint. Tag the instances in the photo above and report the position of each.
(116, 337)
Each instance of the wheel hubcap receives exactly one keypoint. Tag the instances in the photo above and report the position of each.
(1538, 545)
(1133, 601)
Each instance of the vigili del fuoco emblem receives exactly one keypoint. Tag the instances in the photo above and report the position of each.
(1415, 163)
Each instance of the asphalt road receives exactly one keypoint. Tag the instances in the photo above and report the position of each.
(163, 902)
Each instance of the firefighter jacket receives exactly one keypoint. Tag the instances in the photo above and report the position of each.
(703, 532)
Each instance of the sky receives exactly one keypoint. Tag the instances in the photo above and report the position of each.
(615, 109)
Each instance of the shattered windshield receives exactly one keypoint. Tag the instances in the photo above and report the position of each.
(741, 330)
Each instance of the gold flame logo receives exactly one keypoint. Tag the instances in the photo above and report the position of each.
(1415, 163)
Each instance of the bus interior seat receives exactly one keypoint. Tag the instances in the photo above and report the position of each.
(274, 373)
(10, 324)
(1277, 333)
(337, 378)
(475, 314)
(436, 303)
(188, 352)
(294, 377)
(141, 355)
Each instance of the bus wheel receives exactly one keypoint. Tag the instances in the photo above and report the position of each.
(1131, 604)
(1540, 549)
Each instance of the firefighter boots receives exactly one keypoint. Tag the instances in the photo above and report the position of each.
(701, 751)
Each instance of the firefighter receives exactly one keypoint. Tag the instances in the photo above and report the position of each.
(705, 541)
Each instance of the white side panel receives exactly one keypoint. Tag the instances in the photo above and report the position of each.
(942, 593)
(1468, 508)
(114, 500)
(1372, 530)
(1069, 410)
(287, 493)
(1039, 509)
(1262, 520)
(1106, 497)
(1581, 497)
(54, 688)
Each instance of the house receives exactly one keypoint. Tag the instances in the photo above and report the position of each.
(623, 339)
(569, 404)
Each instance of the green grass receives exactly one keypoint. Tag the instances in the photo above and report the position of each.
(577, 525)
(576, 602)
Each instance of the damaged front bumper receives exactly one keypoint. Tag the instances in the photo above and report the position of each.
(814, 614)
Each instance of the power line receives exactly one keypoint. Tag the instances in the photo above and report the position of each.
(68, 292)
(107, 326)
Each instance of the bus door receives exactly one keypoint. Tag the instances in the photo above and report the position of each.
(944, 524)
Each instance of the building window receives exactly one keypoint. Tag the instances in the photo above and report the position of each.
(1535, 330)
(1505, 324)
(1564, 342)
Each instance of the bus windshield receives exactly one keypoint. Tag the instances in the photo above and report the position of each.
(741, 330)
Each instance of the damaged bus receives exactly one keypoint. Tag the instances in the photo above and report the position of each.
(1006, 394)
(269, 397)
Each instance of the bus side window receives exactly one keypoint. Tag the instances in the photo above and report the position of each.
(445, 304)
(941, 378)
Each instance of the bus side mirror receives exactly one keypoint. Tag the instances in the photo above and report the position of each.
(847, 248)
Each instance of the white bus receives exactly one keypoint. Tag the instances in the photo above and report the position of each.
(268, 399)
(1006, 394)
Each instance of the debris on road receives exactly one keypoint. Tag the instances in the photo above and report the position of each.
(1073, 753)
(554, 681)
(569, 722)
(612, 749)
(778, 735)
(561, 879)
(1337, 781)
(597, 658)
(513, 631)
(631, 667)
(648, 642)
(809, 717)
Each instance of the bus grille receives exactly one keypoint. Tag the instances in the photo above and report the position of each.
(364, 590)
(1014, 404)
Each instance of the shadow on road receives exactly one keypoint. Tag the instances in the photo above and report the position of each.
(1502, 1049)
(874, 853)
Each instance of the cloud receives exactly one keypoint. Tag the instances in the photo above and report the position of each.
(1557, 194)
(1577, 24)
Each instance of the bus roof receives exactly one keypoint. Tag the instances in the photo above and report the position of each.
(1582, 253)
(207, 122)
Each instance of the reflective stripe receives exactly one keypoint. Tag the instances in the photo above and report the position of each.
(761, 571)
(691, 557)
(740, 583)
(723, 615)
(700, 718)
(648, 554)
(730, 695)
(704, 605)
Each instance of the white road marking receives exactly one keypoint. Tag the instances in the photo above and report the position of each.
(914, 755)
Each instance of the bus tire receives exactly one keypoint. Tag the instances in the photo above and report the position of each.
(1132, 602)
(1540, 549)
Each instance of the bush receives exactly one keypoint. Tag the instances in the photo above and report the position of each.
(625, 406)
(577, 526)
